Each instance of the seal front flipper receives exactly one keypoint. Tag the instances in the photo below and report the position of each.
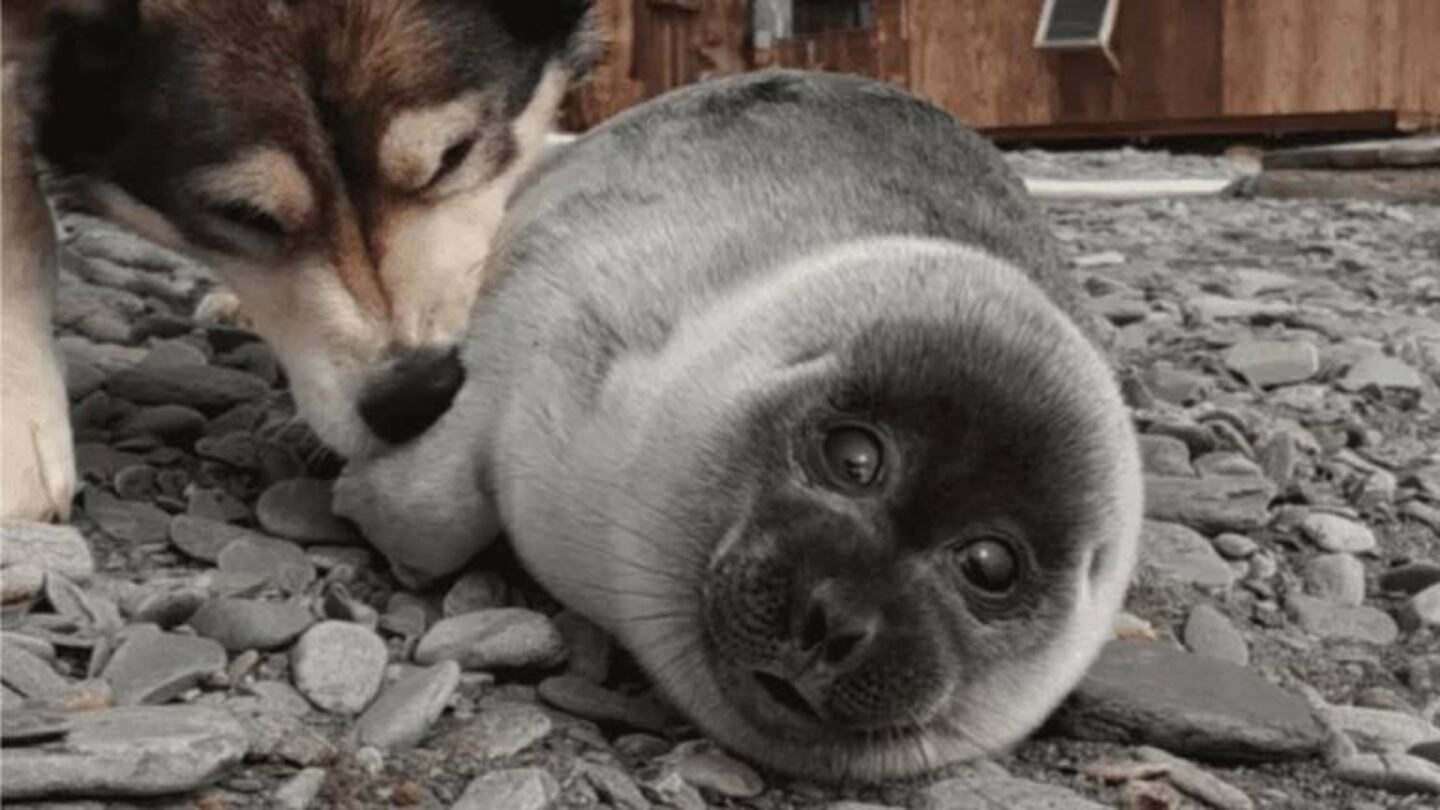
(421, 506)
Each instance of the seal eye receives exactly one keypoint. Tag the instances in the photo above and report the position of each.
(853, 456)
(989, 564)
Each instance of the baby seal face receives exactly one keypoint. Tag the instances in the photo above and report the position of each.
(926, 524)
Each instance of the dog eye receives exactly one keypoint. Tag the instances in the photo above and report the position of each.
(249, 217)
(853, 456)
(989, 564)
(451, 158)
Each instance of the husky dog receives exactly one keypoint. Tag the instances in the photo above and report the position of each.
(779, 380)
(342, 164)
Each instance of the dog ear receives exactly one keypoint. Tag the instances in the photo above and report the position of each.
(94, 53)
(540, 22)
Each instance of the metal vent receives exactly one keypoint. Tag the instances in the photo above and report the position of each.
(1076, 24)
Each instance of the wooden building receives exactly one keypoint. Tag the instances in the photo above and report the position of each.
(1158, 67)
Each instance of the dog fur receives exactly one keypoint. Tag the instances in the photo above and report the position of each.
(341, 164)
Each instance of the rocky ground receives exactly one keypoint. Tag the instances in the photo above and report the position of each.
(208, 632)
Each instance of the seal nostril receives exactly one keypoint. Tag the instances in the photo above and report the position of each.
(842, 647)
(412, 394)
(786, 695)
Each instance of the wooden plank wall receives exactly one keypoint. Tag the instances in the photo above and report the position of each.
(1186, 65)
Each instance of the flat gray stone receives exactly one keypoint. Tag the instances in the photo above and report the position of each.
(168, 608)
(499, 731)
(1338, 578)
(614, 786)
(339, 666)
(1380, 730)
(1410, 578)
(1336, 534)
(1422, 609)
(27, 726)
(1397, 773)
(246, 624)
(988, 786)
(1208, 632)
(405, 710)
(129, 751)
(29, 674)
(1268, 363)
(277, 562)
(46, 547)
(204, 539)
(299, 509)
(131, 522)
(1190, 705)
(300, 790)
(516, 789)
(154, 667)
(1211, 505)
(1331, 621)
(1180, 554)
(490, 639)
(1380, 371)
(210, 389)
(594, 702)
(1235, 546)
(170, 423)
(1165, 455)
(472, 591)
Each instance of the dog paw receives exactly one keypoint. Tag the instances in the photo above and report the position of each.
(222, 306)
(37, 470)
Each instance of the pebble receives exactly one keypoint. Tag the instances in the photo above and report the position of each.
(168, 608)
(204, 538)
(24, 725)
(588, 645)
(130, 522)
(1338, 578)
(1410, 578)
(300, 790)
(1422, 609)
(516, 789)
(1398, 773)
(45, 547)
(299, 509)
(474, 590)
(1177, 553)
(708, 768)
(243, 624)
(1165, 455)
(1337, 622)
(209, 389)
(1268, 363)
(1235, 546)
(991, 787)
(1208, 632)
(1212, 505)
(490, 639)
(1382, 372)
(276, 562)
(614, 786)
(154, 667)
(501, 730)
(128, 751)
(1380, 730)
(405, 710)
(594, 702)
(29, 674)
(1337, 534)
(1230, 463)
(339, 666)
(1190, 705)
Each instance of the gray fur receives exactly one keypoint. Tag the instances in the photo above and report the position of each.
(675, 291)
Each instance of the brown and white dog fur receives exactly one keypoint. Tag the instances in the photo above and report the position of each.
(341, 164)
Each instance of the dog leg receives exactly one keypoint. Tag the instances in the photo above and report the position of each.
(37, 461)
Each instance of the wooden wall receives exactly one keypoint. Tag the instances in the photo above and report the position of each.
(1186, 66)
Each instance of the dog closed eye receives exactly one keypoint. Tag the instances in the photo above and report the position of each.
(249, 217)
(451, 159)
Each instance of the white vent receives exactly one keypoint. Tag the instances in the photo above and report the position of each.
(1076, 24)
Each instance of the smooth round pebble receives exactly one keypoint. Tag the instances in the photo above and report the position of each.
(1338, 578)
(516, 789)
(405, 710)
(1335, 533)
(339, 666)
(491, 639)
(1208, 632)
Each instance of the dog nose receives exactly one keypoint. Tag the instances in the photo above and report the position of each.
(410, 395)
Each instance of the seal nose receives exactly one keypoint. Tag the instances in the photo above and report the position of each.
(837, 631)
(832, 635)
(410, 395)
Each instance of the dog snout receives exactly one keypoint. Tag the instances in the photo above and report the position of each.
(411, 394)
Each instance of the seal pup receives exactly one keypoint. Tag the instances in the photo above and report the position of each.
(780, 382)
